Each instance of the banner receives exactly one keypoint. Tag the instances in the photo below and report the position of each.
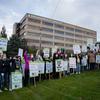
(49, 67)
(59, 65)
(98, 59)
(40, 67)
(33, 69)
(65, 65)
(72, 62)
(20, 52)
(46, 52)
(3, 44)
(16, 80)
(76, 49)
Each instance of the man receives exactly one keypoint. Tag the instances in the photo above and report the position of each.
(6, 69)
(1, 73)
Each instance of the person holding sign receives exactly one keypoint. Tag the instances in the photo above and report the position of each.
(26, 68)
(78, 63)
(92, 60)
(1, 73)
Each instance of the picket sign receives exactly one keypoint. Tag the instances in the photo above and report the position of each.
(20, 52)
(3, 44)
(72, 62)
(59, 65)
(76, 49)
(16, 80)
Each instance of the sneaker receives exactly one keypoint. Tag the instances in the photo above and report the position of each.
(6, 89)
(1, 91)
(10, 89)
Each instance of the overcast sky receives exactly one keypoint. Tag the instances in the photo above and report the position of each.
(85, 13)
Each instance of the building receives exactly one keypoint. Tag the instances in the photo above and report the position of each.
(44, 32)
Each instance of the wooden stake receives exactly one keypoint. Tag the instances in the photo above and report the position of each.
(34, 82)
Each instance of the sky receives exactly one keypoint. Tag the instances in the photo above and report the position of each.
(85, 13)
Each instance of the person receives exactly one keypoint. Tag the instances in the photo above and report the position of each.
(78, 63)
(56, 55)
(26, 77)
(1, 74)
(92, 60)
(6, 69)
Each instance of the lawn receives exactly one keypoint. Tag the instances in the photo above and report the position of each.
(85, 86)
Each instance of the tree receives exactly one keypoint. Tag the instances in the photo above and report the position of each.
(3, 32)
(14, 44)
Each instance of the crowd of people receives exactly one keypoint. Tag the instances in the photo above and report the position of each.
(12, 64)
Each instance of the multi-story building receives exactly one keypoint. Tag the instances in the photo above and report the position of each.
(44, 32)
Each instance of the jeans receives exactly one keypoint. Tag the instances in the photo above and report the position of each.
(6, 80)
(1, 81)
(78, 68)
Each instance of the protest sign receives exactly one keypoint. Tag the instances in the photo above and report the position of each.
(72, 62)
(98, 59)
(76, 49)
(84, 48)
(84, 61)
(16, 80)
(3, 44)
(20, 52)
(46, 52)
(33, 70)
(89, 41)
(40, 67)
(54, 50)
(49, 67)
(65, 65)
(59, 65)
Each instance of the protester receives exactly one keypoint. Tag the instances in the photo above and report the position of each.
(78, 64)
(1, 74)
(7, 70)
(92, 60)
(26, 77)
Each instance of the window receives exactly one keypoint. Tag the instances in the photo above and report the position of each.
(59, 32)
(59, 38)
(47, 36)
(47, 23)
(47, 29)
(59, 26)
(69, 28)
(69, 34)
(34, 20)
(33, 27)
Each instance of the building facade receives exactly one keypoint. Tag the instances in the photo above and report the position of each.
(44, 32)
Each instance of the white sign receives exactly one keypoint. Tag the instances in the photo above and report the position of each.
(89, 41)
(65, 65)
(49, 67)
(20, 52)
(98, 59)
(3, 44)
(76, 49)
(59, 65)
(84, 48)
(84, 61)
(40, 67)
(46, 52)
(33, 70)
(16, 80)
(54, 50)
(72, 62)
(92, 46)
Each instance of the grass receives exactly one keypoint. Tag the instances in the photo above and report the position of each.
(85, 86)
